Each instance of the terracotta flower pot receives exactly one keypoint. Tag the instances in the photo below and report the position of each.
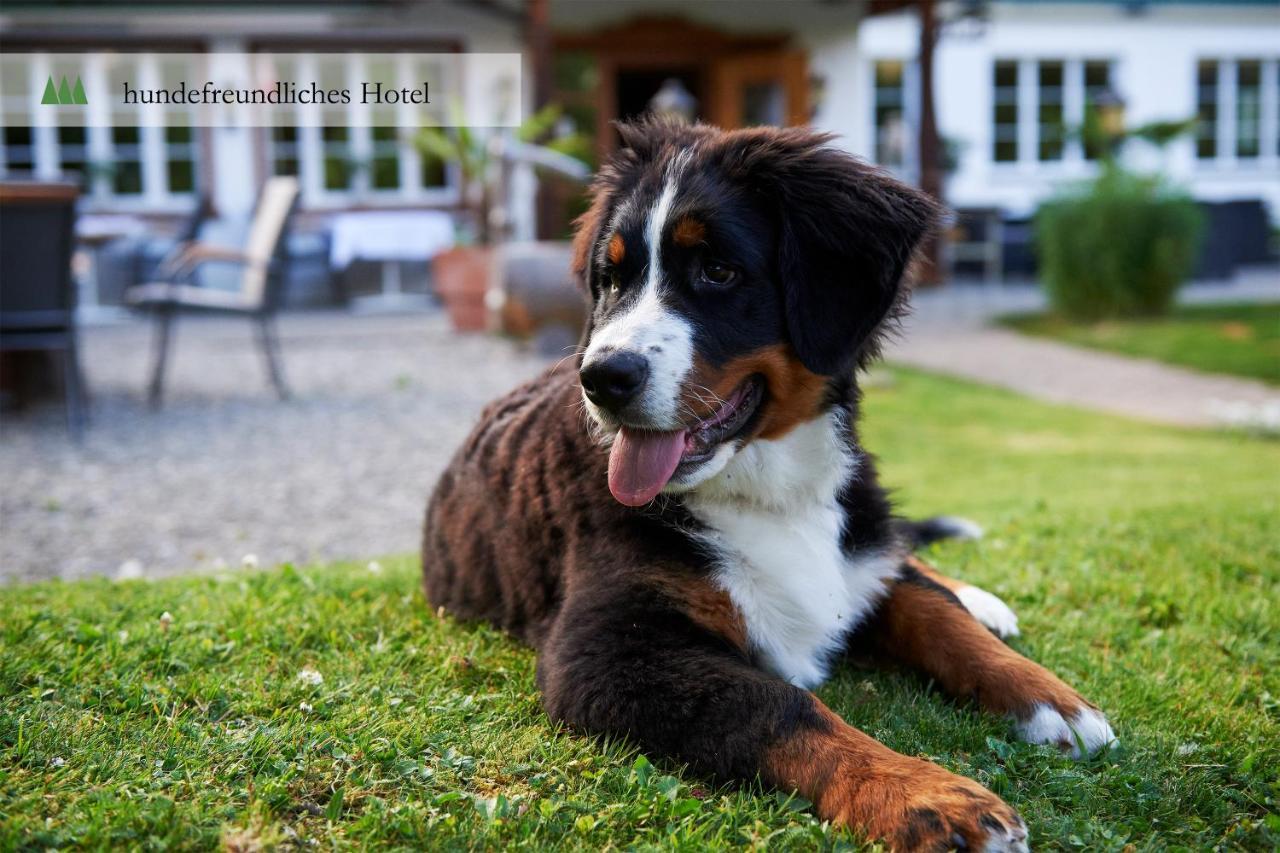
(462, 276)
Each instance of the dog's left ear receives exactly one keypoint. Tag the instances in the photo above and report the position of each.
(847, 232)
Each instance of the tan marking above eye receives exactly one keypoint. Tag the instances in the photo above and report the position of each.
(689, 232)
(617, 249)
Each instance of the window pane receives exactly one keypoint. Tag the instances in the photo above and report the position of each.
(385, 169)
(1097, 81)
(434, 173)
(284, 150)
(126, 160)
(19, 150)
(1050, 128)
(1248, 108)
(335, 138)
(181, 150)
(337, 158)
(1207, 109)
(73, 154)
(1005, 113)
(890, 124)
(180, 155)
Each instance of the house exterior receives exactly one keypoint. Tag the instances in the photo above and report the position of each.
(1012, 78)
(1007, 84)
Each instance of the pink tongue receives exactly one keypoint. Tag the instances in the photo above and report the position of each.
(641, 462)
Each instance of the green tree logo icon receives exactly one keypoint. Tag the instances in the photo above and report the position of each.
(64, 94)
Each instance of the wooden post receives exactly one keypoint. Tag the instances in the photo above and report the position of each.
(537, 36)
(930, 146)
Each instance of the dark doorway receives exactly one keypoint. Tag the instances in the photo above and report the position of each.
(636, 87)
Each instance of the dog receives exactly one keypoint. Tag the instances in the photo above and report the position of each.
(681, 520)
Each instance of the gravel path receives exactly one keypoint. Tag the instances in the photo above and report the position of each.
(344, 469)
(1059, 373)
(224, 470)
(949, 332)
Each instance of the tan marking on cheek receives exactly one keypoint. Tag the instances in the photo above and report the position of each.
(617, 249)
(795, 393)
(689, 232)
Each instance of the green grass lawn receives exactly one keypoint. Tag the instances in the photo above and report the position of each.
(1239, 339)
(1143, 562)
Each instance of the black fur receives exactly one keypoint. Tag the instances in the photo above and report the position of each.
(634, 636)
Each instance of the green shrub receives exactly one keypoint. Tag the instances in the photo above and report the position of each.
(1118, 246)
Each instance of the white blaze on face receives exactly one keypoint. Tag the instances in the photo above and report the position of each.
(649, 328)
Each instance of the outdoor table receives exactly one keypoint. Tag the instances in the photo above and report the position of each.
(389, 237)
(94, 232)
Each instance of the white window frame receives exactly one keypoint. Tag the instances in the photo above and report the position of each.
(1073, 160)
(99, 194)
(1226, 158)
(310, 147)
(910, 166)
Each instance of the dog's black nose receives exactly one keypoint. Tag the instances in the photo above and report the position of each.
(613, 381)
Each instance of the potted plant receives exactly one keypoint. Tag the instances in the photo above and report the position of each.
(464, 274)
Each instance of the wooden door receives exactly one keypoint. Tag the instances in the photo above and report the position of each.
(759, 88)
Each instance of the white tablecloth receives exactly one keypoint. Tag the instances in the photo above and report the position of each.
(390, 235)
(100, 227)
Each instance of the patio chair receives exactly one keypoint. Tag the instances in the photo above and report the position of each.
(258, 296)
(37, 290)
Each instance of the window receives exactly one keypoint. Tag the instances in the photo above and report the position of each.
(1207, 110)
(1038, 105)
(1005, 113)
(1050, 126)
(1248, 108)
(180, 148)
(18, 148)
(338, 164)
(107, 148)
(1097, 81)
(348, 151)
(73, 153)
(891, 128)
(1232, 101)
(285, 151)
(284, 144)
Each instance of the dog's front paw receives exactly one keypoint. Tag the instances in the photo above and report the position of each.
(933, 809)
(990, 610)
(1081, 733)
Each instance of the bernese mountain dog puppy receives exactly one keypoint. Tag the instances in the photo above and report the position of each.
(682, 521)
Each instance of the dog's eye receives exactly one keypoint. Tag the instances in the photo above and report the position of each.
(613, 281)
(718, 274)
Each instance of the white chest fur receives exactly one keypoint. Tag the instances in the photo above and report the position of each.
(775, 525)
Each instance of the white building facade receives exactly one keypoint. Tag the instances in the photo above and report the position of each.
(1006, 87)
(1010, 85)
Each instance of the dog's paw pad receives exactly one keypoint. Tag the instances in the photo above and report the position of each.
(989, 610)
(1088, 729)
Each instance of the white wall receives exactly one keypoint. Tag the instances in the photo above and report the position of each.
(1155, 55)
